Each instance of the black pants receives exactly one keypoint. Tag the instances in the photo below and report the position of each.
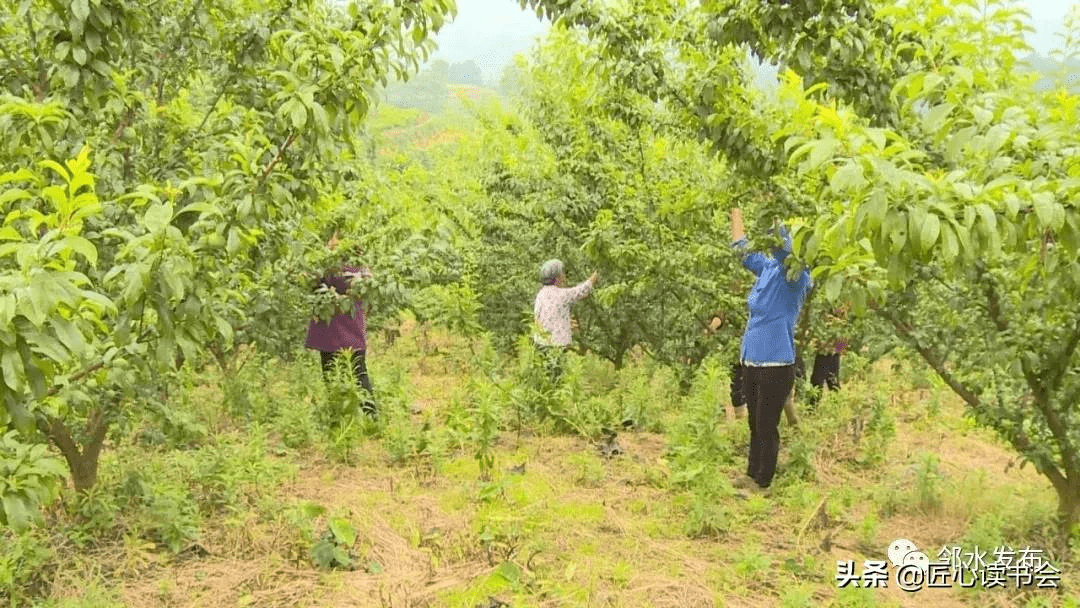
(765, 389)
(737, 398)
(359, 366)
(826, 373)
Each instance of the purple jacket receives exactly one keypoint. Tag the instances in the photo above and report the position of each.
(344, 330)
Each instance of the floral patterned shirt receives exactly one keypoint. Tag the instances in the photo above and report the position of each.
(552, 311)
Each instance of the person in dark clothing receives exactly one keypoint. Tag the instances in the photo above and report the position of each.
(738, 400)
(825, 338)
(826, 371)
(344, 335)
(767, 354)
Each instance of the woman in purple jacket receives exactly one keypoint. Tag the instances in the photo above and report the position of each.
(345, 335)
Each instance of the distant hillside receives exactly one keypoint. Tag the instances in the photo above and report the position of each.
(1052, 73)
(472, 94)
(436, 86)
(404, 129)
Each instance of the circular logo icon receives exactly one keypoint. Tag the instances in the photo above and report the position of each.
(899, 549)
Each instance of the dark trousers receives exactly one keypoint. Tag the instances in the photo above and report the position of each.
(826, 373)
(765, 389)
(359, 366)
(737, 399)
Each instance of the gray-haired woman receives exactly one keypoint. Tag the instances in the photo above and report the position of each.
(551, 309)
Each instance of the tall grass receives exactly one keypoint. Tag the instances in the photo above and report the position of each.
(487, 461)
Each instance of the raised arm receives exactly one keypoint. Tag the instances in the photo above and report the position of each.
(753, 261)
(737, 231)
(582, 289)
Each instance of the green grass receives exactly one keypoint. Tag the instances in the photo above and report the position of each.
(223, 507)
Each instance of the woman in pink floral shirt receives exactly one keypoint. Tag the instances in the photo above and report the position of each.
(551, 309)
(552, 306)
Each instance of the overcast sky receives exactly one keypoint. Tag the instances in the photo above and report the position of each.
(1048, 17)
(492, 31)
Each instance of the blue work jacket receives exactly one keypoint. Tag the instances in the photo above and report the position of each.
(774, 305)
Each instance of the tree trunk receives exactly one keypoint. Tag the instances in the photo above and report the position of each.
(83, 463)
(83, 471)
(1068, 506)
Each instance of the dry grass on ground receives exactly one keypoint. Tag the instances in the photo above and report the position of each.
(582, 530)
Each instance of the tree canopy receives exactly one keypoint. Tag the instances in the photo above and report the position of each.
(928, 180)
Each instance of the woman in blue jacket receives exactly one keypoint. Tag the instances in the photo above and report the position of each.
(768, 350)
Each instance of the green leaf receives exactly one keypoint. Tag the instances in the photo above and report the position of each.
(70, 75)
(166, 350)
(21, 418)
(955, 146)
(49, 466)
(33, 372)
(57, 167)
(157, 216)
(987, 215)
(876, 207)
(69, 335)
(7, 308)
(298, 115)
(312, 509)
(13, 194)
(11, 364)
(61, 51)
(895, 229)
(174, 281)
(322, 553)
(343, 531)
(832, 287)
(48, 346)
(84, 248)
(201, 208)
(931, 82)
(982, 116)
(963, 236)
(509, 571)
(949, 245)
(102, 68)
(17, 512)
(1012, 206)
(928, 235)
(1050, 213)
(1043, 211)
(319, 113)
(821, 151)
(339, 556)
(848, 177)
(81, 9)
(935, 118)
(232, 244)
(224, 329)
(916, 220)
